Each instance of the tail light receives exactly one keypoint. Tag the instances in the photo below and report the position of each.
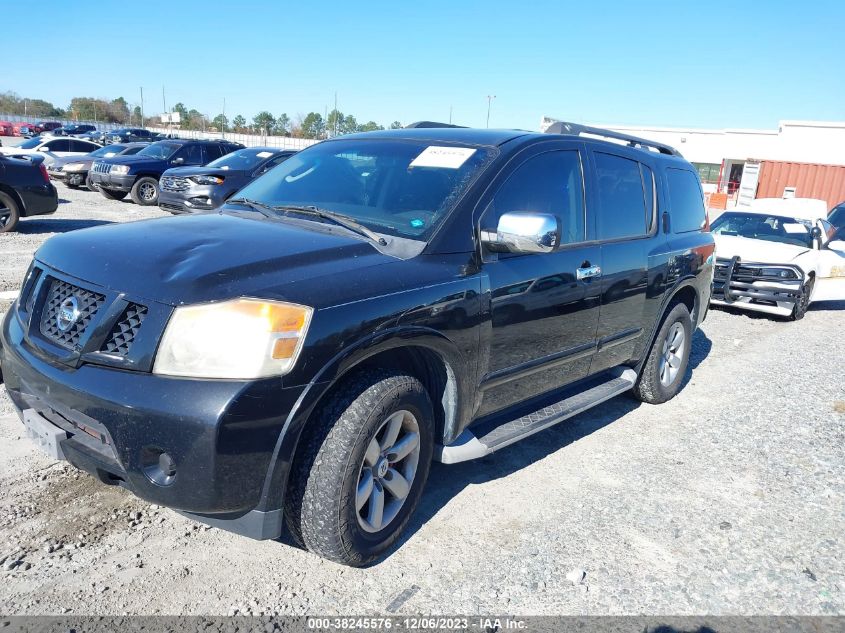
(44, 173)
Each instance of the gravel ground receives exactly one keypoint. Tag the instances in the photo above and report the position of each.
(728, 500)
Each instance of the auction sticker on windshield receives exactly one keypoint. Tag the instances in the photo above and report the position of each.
(444, 157)
(795, 228)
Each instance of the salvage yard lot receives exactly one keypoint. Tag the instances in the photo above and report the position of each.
(727, 500)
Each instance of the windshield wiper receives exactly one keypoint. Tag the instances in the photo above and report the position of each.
(338, 218)
(264, 209)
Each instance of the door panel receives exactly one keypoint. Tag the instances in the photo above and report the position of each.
(625, 217)
(543, 319)
(830, 284)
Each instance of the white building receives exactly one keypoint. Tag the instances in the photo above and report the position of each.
(720, 155)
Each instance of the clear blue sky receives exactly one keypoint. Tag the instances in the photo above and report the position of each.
(702, 64)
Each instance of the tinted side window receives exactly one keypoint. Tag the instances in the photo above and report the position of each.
(62, 145)
(213, 152)
(622, 207)
(687, 201)
(192, 154)
(648, 188)
(548, 183)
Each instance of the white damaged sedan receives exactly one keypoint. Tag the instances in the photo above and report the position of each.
(777, 257)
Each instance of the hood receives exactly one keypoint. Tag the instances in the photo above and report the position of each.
(757, 251)
(211, 257)
(185, 172)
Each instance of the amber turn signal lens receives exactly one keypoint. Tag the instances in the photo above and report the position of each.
(284, 347)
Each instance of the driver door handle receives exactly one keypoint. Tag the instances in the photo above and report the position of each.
(588, 272)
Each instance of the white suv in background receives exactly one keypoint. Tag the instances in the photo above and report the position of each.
(777, 257)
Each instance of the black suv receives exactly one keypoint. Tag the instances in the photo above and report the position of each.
(376, 301)
(127, 135)
(73, 130)
(138, 175)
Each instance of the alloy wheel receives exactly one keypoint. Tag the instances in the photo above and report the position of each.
(387, 472)
(673, 354)
(147, 191)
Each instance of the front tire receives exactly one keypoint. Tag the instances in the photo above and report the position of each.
(361, 471)
(112, 194)
(668, 358)
(145, 191)
(9, 213)
(800, 308)
(90, 183)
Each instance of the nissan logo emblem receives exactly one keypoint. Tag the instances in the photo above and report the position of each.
(68, 314)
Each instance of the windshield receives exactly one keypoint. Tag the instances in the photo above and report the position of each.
(244, 159)
(30, 143)
(402, 188)
(160, 150)
(759, 226)
(109, 150)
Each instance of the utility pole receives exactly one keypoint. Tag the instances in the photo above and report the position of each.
(489, 103)
(450, 115)
(24, 107)
(142, 107)
(335, 113)
(223, 122)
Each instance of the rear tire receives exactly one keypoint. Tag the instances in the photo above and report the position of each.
(666, 365)
(800, 308)
(145, 191)
(10, 213)
(345, 502)
(112, 194)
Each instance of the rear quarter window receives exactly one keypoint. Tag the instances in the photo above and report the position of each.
(686, 201)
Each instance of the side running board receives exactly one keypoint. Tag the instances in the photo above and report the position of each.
(469, 446)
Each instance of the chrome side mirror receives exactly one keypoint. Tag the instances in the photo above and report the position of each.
(524, 232)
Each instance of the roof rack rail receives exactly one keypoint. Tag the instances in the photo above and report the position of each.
(576, 129)
(430, 124)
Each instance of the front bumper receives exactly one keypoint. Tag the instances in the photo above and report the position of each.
(219, 435)
(68, 176)
(114, 182)
(739, 284)
(197, 199)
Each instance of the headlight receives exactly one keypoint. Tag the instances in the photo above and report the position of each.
(240, 339)
(783, 273)
(119, 169)
(73, 167)
(207, 180)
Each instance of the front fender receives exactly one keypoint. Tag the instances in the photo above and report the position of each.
(334, 370)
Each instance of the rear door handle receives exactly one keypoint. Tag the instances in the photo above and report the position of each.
(588, 272)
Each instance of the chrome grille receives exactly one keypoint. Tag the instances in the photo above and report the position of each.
(175, 183)
(123, 333)
(88, 304)
(101, 168)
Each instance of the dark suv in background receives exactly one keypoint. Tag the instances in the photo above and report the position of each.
(25, 190)
(126, 135)
(139, 175)
(197, 189)
(376, 301)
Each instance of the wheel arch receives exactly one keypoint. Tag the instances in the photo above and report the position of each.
(9, 191)
(687, 293)
(422, 352)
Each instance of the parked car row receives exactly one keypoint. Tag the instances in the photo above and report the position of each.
(74, 170)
